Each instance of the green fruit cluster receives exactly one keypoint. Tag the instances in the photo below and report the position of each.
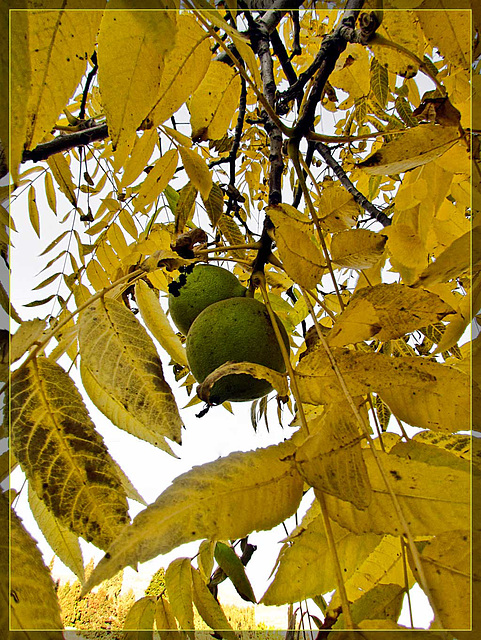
(234, 330)
(195, 290)
(222, 325)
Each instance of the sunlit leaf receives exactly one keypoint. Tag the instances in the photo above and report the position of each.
(214, 102)
(184, 67)
(331, 458)
(197, 170)
(63, 176)
(157, 179)
(386, 311)
(447, 565)
(122, 373)
(139, 619)
(357, 248)
(132, 46)
(225, 499)
(157, 322)
(434, 499)
(423, 393)
(301, 257)
(165, 620)
(305, 566)
(178, 581)
(209, 609)
(62, 541)
(411, 149)
(33, 211)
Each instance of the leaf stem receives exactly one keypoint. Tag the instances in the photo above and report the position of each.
(346, 610)
(260, 277)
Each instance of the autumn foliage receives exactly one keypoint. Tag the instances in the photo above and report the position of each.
(329, 158)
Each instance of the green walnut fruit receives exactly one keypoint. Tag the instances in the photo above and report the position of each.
(234, 330)
(195, 290)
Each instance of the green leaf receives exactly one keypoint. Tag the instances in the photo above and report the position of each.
(379, 82)
(230, 563)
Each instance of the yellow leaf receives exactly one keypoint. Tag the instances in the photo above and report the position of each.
(240, 41)
(352, 71)
(225, 499)
(132, 47)
(446, 563)
(209, 609)
(74, 475)
(50, 192)
(97, 276)
(399, 28)
(140, 617)
(379, 608)
(63, 542)
(59, 43)
(33, 211)
(63, 177)
(165, 620)
(157, 179)
(139, 158)
(300, 256)
(214, 204)
(406, 247)
(331, 458)
(434, 499)
(425, 394)
(25, 336)
(205, 558)
(231, 233)
(214, 102)
(383, 566)
(305, 566)
(126, 220)
(197, 170)
(454, 25)
(178, 581)
(20, 74)
(463, 253)
(156, 321)
(386, 312)
(186, 63)
(357, 248)
(32, 602)
(337, 209)
(122, 373)
(413, 148)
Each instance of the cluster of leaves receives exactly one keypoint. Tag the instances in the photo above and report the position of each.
(376, 260)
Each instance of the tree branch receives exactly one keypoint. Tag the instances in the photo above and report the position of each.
(376, 213)
(66, 142)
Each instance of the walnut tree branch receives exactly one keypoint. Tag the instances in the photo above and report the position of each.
(376, 213)
(66, 142)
